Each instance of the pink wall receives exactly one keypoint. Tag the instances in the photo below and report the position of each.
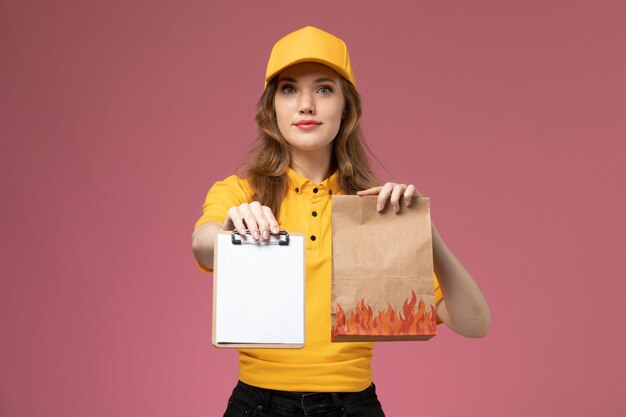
(116, 117)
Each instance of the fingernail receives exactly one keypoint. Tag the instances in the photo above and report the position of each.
(396, 208)
(379, 206)
(256, 235)
(266, 234)
(275, 230)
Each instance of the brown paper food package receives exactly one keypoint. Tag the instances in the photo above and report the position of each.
(382, 279)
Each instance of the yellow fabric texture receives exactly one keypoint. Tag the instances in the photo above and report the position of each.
(322, 365)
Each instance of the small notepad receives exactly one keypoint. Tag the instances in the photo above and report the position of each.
(258, 292)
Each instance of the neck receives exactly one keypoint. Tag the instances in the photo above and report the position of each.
(312, 165)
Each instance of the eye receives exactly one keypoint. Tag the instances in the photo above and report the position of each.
(288, 89)
(325, 89)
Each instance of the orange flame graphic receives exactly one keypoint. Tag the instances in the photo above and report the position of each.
(362, 322)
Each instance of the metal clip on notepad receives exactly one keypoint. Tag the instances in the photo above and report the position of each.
(282, 239)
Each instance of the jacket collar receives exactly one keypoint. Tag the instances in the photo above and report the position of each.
(298, 181)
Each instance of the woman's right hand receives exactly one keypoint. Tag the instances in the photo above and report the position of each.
(258, 219)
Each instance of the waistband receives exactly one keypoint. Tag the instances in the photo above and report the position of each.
(272, 398)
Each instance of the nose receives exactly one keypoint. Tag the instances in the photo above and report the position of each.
(306, 103)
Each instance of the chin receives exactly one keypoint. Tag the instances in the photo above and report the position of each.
(309, 145)
(309, 148)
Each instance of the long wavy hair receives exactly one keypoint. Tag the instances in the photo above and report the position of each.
(267, 162)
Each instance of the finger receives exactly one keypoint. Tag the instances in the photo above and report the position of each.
(234, 216)
(228, 224)
(250, 220)
(396, 193)
(370, 191)
(410, 192)
(261, 221)
(274, 227)
(384, 195)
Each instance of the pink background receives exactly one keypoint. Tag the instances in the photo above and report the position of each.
(117, 116)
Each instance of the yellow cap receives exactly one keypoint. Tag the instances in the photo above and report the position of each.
(310, 44)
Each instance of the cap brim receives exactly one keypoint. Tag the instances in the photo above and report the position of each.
(330, 65)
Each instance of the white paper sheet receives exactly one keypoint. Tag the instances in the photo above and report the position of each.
(260, 292)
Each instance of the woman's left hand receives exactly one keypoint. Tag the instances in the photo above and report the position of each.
(395, 193)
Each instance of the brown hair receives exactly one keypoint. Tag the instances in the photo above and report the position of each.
(268, 160)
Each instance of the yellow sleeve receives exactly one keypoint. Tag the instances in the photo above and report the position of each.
(223, 195)
(438, 293)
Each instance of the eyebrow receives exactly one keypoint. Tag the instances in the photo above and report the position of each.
(319, 80)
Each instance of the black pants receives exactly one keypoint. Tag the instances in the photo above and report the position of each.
(249, 401)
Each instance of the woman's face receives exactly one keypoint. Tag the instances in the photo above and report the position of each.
(309, 106)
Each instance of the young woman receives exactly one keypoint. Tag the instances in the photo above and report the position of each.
(310, 148)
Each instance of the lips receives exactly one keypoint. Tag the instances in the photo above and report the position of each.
(307, 123)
